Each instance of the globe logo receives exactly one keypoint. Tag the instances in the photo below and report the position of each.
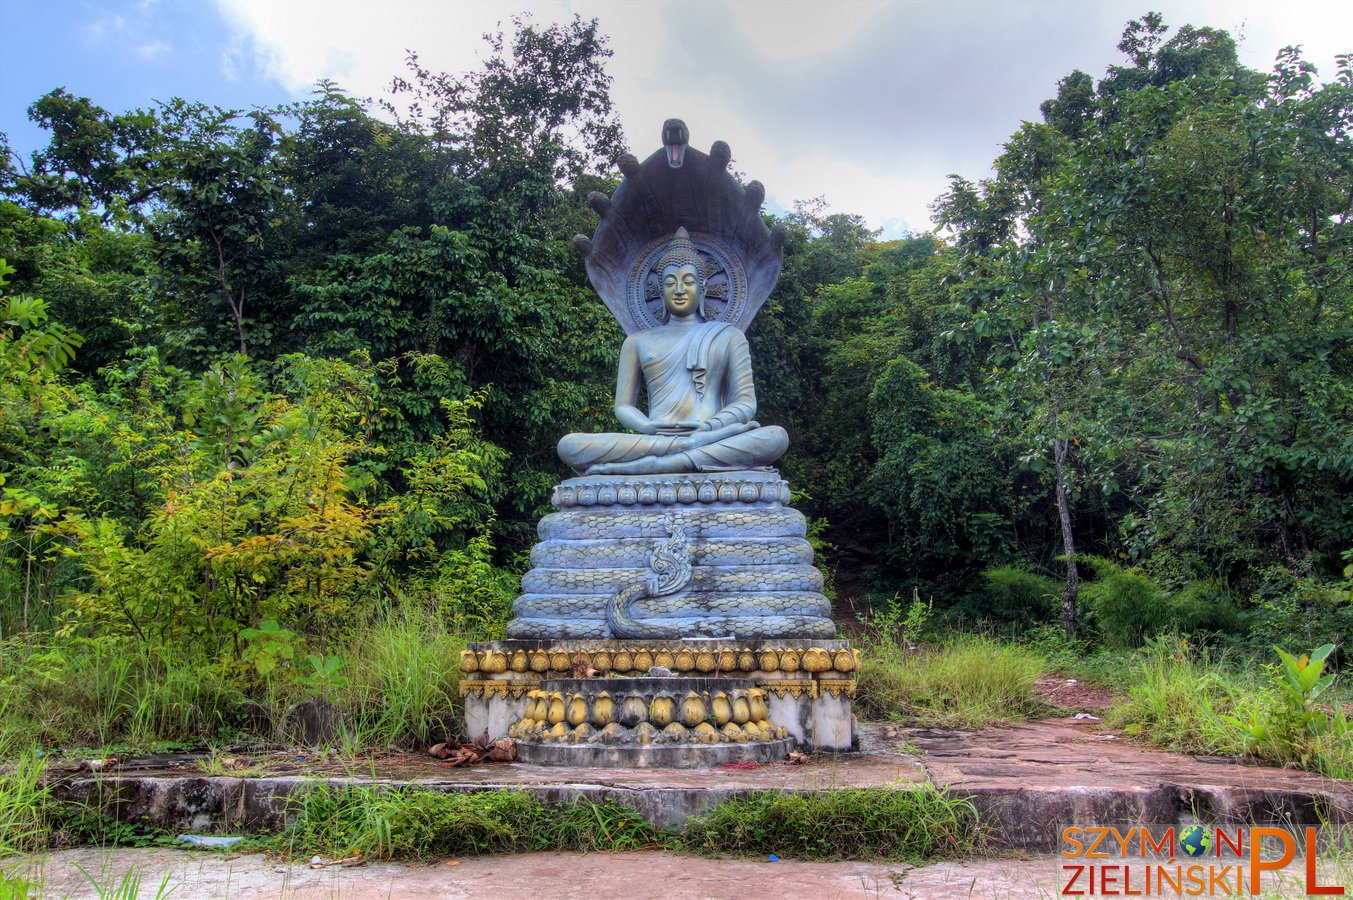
(1194, 840)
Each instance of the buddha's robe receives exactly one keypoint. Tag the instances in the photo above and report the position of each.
(704, 376)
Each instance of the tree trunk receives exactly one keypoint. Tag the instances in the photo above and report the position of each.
(1073, 577)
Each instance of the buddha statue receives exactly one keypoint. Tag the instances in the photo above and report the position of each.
(698, 378)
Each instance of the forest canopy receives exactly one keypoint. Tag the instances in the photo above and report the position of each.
(261, 372)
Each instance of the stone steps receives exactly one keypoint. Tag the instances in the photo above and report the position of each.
(770, 627)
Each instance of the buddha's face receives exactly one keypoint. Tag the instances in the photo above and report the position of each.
(680, 290)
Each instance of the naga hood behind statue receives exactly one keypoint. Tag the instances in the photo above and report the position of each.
(681, 187)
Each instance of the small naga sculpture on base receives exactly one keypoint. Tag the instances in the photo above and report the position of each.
(677, 527)
(671, 565)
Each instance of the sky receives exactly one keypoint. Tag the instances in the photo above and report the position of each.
(869, 105)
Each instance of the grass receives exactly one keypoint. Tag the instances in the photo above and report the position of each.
(971, 681)
(1176, 699)
(31, 820)
(1183, 698)
(107, 886)
(913, 823)
(89, 695)
(396, 686)
(17, 886)
(25, 823)
(377, 823)
(399, 681)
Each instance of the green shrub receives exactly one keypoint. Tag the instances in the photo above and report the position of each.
(1296, 728)
(1296, 608)
(890, 624)
(972, 681)
(1204, 606)
(1010, 596)
(912, 823)
(1126, 605)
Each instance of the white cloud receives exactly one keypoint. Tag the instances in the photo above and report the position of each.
(869, 104)
(795, 29)
(134, 35)
(104, 28)
(363, 45)
(153, 49)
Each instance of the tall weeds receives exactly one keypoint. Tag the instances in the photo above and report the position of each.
(400, 689)
(1178, 697)
(24, 802)
(84, 694)
(971, 681)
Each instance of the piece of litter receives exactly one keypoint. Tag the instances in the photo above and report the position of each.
(1086, 716)
(453, 862)
(774, 858)
(206, 840)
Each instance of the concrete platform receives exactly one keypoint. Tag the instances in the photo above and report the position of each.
(1025, 780)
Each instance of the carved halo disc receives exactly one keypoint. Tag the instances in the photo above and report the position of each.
(725, 282)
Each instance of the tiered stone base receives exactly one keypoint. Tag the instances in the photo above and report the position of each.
(775, 694)
(752, 572)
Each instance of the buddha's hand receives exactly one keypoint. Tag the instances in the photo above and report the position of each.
(711, 436)
(676, 427)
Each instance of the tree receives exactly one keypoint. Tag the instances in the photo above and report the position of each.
(1148, 274)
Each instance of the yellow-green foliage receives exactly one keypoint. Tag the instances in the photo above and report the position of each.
(190, 511)
(255, 519)
(971, 681)
(184, 544)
